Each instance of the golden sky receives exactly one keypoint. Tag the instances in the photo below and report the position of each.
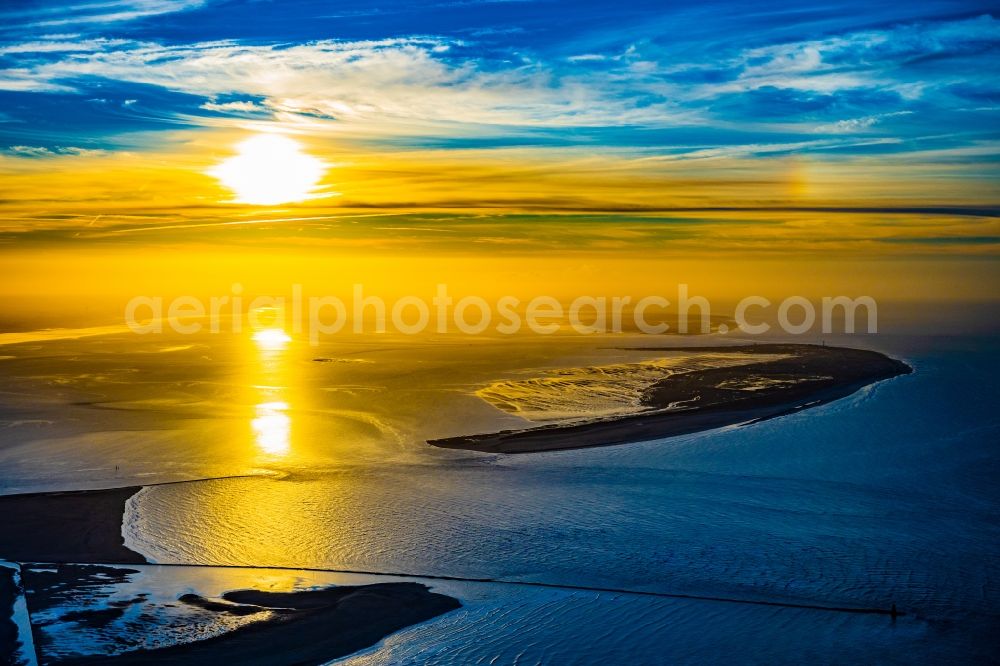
(624, 151)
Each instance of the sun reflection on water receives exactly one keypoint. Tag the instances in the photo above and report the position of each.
(272, 421)
(272, 427)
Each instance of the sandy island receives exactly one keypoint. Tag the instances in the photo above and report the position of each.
(700, 400)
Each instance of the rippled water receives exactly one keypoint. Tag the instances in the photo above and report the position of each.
(497, 623)
(889, 496)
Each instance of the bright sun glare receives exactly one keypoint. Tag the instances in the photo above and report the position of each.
(272, 427)
(270, 169)
(271, 339)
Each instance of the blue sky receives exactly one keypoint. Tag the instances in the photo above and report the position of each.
(674, 80)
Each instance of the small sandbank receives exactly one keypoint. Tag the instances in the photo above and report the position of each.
(689, 402)
(307, 627)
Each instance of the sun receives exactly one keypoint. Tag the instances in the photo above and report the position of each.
(270, 169)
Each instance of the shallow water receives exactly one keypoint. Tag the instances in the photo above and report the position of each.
(497, 623)
(888, 496)
(24, 652)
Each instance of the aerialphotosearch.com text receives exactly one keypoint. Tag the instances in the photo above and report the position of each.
(317, 316)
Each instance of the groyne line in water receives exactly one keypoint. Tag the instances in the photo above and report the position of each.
(277, 475)
(891, 612)
(274, 475)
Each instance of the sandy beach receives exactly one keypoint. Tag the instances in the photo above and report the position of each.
(684, 403)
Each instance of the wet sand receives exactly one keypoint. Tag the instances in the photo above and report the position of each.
(811, 375)
(81, 526)
(8, 628)
(310, 627)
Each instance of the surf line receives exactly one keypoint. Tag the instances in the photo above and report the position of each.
(891, 612)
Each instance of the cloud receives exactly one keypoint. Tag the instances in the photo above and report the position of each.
(410, 88)
(239, 106)
(863, 58)
(99, 12)
(69, 44)
(26, 80)
(412, 81)
(858, 124)
(760, 149)
(41, 151)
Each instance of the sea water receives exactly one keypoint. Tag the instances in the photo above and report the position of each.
(887, 497)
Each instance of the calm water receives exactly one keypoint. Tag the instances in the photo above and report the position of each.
(889, 496)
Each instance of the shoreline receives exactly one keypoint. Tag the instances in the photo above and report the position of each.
(72, 531)
(303, 627)
(11, 642)
(843, 371)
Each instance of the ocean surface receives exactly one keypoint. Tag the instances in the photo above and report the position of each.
(315, 458)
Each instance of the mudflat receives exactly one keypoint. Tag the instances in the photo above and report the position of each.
(81, 526)
(309, 627)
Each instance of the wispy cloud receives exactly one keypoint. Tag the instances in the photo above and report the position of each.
(851, 125)
(95, 12)
(243, 106)
(411, 80)
(417, 84)
(42, 151)
(862, 58)
(654, 117)
(63, 44)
